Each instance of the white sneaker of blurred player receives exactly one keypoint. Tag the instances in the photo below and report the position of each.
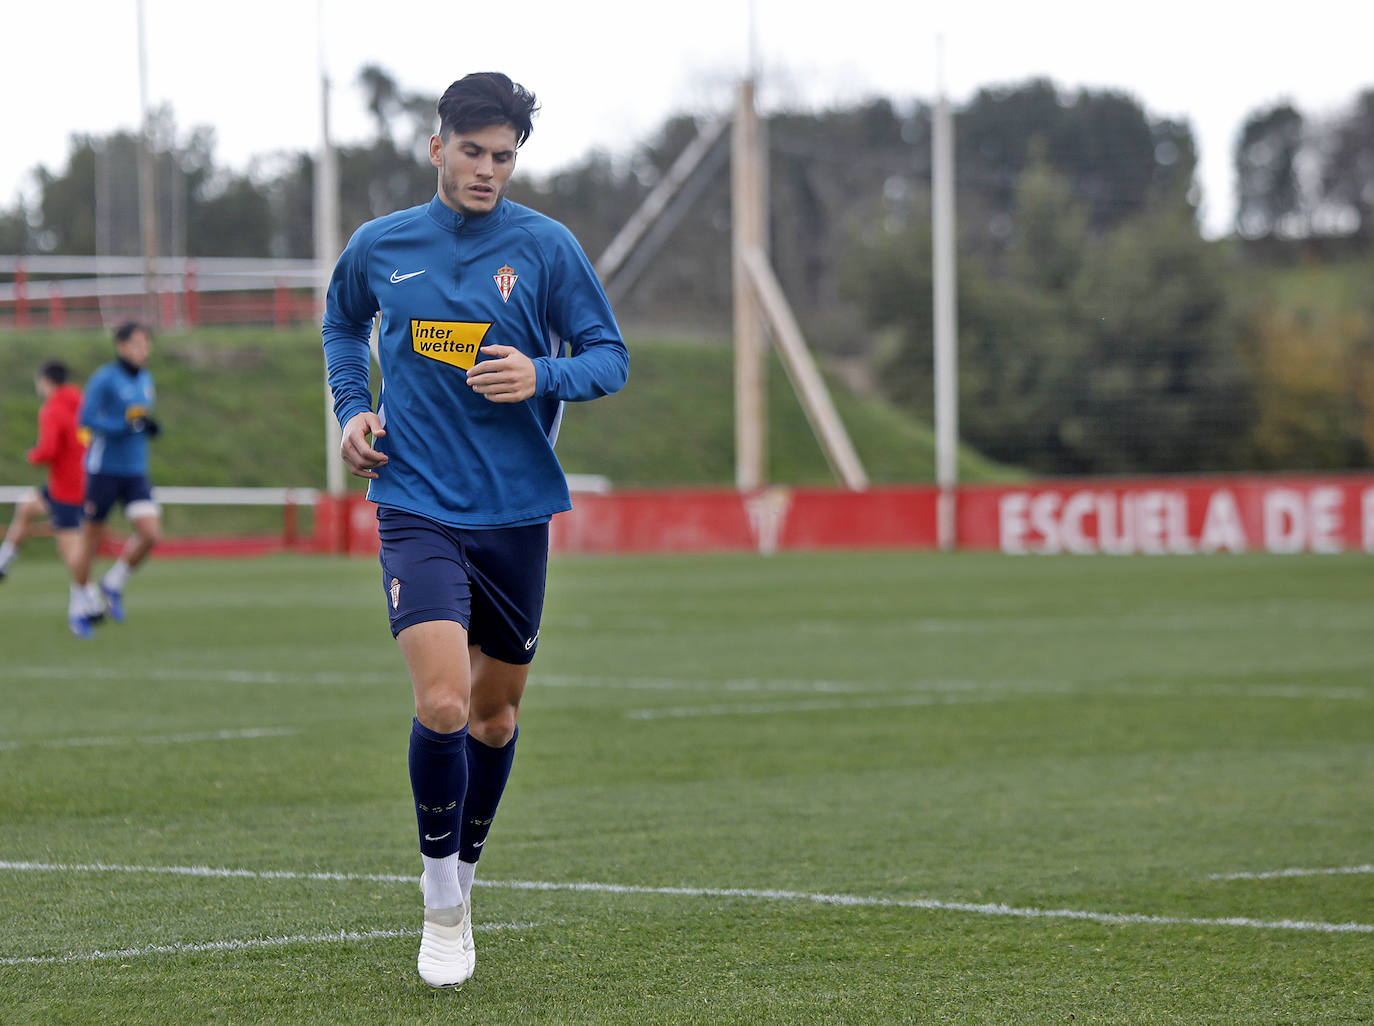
(94, 603)
(448, 956)
(112, 588)
(114, 602)
(77, 618)
(80, 626)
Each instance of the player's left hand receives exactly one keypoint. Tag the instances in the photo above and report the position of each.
(147, 425)
(509, 378)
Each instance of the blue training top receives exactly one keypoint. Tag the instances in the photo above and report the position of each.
(446, 285)
(115, 396)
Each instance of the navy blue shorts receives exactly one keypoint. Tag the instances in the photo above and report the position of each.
(64, 516)
(104, 490)
(491, 581)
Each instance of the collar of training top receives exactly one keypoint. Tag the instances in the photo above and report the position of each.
(446, 217)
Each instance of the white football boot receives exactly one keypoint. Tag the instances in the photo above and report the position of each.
(448, 956)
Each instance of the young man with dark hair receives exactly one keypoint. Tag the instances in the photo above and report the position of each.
(118, 411)
(491, 318)
(60, 447)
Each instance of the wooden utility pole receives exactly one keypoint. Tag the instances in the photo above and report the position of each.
(760, 307)
(749, 232)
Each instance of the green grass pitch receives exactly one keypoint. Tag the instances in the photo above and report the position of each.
(812, 789)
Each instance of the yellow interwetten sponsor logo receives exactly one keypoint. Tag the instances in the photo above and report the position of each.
(452, 342)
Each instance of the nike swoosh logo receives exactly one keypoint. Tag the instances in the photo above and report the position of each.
(530, 643)
(478, 844)
(397, 277)
(439, 838)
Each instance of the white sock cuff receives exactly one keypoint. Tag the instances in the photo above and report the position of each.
(441, 881)
(117, 576)
(466, 871)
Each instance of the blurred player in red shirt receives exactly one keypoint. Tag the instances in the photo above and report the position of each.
(61, 448)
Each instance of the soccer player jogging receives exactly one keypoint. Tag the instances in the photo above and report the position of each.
(491, 318)
(118, 411)
(60, 447)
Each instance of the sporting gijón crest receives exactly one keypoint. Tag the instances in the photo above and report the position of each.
(505, 280)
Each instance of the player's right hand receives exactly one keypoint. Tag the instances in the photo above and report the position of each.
(361, 459)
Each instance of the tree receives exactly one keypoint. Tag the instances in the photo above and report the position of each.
(392, 172)
(67, 204)
(1051, 233)
(1348, 167)
(234, 221)
(888, 275)
(1079, 351)
(1314, 374)
(407, 120)
(1268, 195)
(15, 235)
(1114, 157)
(1159, 385)
(1018, 338)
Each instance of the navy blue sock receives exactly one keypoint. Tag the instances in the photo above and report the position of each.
(488, 771)
(438, 779)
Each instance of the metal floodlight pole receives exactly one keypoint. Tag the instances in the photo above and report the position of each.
(147, 193)
(945, 326)
(326, 253)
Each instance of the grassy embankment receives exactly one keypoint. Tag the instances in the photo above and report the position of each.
(245, 407)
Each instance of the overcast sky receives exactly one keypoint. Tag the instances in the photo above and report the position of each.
(608, 71)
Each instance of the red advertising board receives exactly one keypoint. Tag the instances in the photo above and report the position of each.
(1180, 515)
(764, 520)
(1173, 515)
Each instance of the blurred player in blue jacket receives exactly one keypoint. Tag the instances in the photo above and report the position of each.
(491, 319)
(117, 409)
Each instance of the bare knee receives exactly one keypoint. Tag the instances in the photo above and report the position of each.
(493, 727)
(443, 711)
(436, 655)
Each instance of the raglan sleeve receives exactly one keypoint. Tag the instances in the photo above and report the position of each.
(49, 443)
(101, 409)
(349, 307)
(579, 313)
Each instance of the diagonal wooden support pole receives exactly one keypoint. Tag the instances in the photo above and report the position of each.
(801, 370)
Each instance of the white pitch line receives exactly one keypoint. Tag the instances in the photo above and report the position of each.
(251, 734)
(843, 900)
(1278, 874)
(1082, 687)
(960, 692)
(988, 909)
(206, 871)
(237, 945)
(222, 676)
(814, 705)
